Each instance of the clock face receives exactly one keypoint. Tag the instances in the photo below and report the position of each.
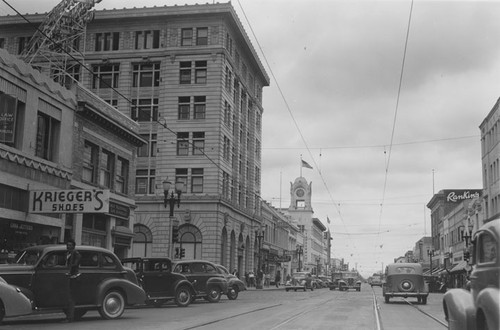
(299, 192)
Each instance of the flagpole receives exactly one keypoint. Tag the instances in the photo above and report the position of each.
(301, 165)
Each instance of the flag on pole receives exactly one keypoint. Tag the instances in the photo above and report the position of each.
(306, 165)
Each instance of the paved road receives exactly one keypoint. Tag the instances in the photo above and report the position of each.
(260, 309)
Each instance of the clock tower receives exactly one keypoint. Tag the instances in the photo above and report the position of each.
(300, 193)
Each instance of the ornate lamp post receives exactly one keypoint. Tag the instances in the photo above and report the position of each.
(431, 254)
(467, 237)
(172, 200)
(260, 238)
(299, 252)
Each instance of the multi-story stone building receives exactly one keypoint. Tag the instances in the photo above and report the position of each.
(63, 145)
(490, 156)
(191, 78)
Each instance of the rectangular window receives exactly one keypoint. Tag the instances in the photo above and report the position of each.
(185, 72)
(148, 149)
(200, 72)
(47, 137)
(106, 169)
(146, 75)
(144, 182)
(202, 36)
(147, 39)
(225, 185)
(106, 76)
(145, 111)
(198, 143)
(107, 41)
(184, 105)
(182, 144)
(121, 181)
(23, 43)
(226, 151)
(199, 107)
(227, 113)
(197, 180)
(90, 162)
(187, 37)
(9, 113)
(181, 176)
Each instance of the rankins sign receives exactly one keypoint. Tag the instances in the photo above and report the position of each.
(69, 201)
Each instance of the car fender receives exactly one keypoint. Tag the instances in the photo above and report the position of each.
(459, 309)
(134, 294)
(488, 302)
(14, 300)
(219, 282)
(185, 283)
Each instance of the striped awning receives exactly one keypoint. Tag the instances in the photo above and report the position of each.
(435, 271)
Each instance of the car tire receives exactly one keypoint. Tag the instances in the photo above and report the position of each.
(183, 296)
(232, 293)
(112, 305)
(214, 295)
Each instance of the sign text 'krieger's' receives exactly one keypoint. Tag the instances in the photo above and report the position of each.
(69, 201)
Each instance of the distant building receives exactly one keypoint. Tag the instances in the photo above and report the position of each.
(490, 156)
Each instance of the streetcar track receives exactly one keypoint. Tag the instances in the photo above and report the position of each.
(232, 316)
(299, 314)
(425, 313)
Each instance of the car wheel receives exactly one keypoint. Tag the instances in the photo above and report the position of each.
(232, 293)
(112, 305)
(214, 295)
(386, 299)
(183, 296)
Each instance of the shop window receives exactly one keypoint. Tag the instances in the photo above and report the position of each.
(12, 114)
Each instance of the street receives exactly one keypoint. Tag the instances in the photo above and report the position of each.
(264, 309)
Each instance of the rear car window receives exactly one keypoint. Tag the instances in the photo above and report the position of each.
(487, 248)
(90, 259)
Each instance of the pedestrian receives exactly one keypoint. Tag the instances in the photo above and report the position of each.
(277, 279)
(247, 279)
(251, 277)
(236, 273)
(267, 279)
(73, 258)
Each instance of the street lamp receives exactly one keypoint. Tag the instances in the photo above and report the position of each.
(299, 252)
(172, 200)
(431, 254)
(260, 238)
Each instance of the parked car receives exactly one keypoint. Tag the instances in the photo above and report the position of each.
(301, 281)
(349, 283)
(160, 283)
(405, 280)
(13, 302)
(376, 280)
(103, 283)
(208, 282)
(478, 308)
(234, 284)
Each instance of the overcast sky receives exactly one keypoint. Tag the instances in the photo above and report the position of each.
(336, 68)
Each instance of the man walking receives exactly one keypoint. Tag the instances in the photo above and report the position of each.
(73, 258)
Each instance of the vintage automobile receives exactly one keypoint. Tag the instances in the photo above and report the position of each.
(349, 283)
(301, 281)
(207, 281)
(13, 302)
(103, 283)
(478, 308)
(234, 284)
(376, 280)
(405, 280)
(160, 283)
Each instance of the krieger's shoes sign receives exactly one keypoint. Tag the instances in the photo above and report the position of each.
(69, 201)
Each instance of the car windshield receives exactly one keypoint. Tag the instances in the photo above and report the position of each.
(27, 257)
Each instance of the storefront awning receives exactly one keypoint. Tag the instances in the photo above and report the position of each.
(435, 271)
(460, 267)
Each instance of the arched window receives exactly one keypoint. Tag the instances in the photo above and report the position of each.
(190, 240)
(143, 241)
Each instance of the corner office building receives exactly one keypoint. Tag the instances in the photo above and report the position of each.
(191, 78)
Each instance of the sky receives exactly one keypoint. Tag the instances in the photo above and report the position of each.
(382, 98)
